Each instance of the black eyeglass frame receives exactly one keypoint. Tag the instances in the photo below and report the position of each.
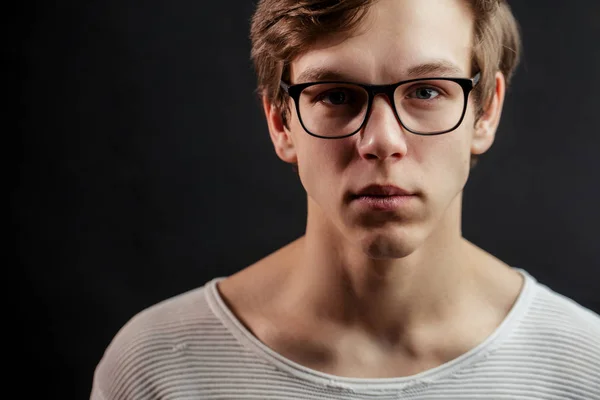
(467, 85)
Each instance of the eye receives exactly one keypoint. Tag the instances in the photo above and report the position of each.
(424, 93)
(336, 97)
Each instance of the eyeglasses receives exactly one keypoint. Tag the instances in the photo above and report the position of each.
(425, 106)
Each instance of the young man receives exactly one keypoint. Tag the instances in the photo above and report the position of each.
(382, 106)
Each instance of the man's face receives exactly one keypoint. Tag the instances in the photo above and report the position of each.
(395, 38)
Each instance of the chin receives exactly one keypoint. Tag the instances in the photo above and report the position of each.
(388, 245)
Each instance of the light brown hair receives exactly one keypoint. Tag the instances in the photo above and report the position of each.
(281, 30)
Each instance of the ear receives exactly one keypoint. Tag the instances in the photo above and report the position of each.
(486, 126)
(280, 134)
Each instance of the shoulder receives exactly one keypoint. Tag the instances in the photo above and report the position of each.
(151, 344)
(561, 334)
(552, 346)
(551, 308)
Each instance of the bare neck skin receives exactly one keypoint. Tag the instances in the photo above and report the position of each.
(321, 304)
(337, 281)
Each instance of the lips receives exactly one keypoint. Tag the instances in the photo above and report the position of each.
(382, 191)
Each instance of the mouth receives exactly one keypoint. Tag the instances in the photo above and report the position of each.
(382, 191)
(383, 198)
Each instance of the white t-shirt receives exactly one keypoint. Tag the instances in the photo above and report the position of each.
(193, 347)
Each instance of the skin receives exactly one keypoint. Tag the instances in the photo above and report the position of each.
(371, 294)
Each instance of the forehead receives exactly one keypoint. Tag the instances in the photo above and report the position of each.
(398, 39)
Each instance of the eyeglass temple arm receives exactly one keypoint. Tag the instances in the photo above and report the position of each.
(476, 79)
(284, 86)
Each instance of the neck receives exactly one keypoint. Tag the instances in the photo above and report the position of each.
(336, 282)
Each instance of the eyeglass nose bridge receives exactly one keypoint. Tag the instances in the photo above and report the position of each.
(388, 91)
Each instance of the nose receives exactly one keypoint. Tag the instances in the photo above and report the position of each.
(382, 137)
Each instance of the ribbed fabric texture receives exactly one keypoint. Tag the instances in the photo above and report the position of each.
(193, 347)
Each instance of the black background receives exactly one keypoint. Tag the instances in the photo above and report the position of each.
(144, 167)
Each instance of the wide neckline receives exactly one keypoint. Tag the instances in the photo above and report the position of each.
(251, 342)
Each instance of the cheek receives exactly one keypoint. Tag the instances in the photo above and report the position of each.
(321, 163)
(323, 166)
(444, 160)
(319, 160)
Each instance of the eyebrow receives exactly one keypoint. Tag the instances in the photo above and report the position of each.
(441, 68)
(322, 74)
